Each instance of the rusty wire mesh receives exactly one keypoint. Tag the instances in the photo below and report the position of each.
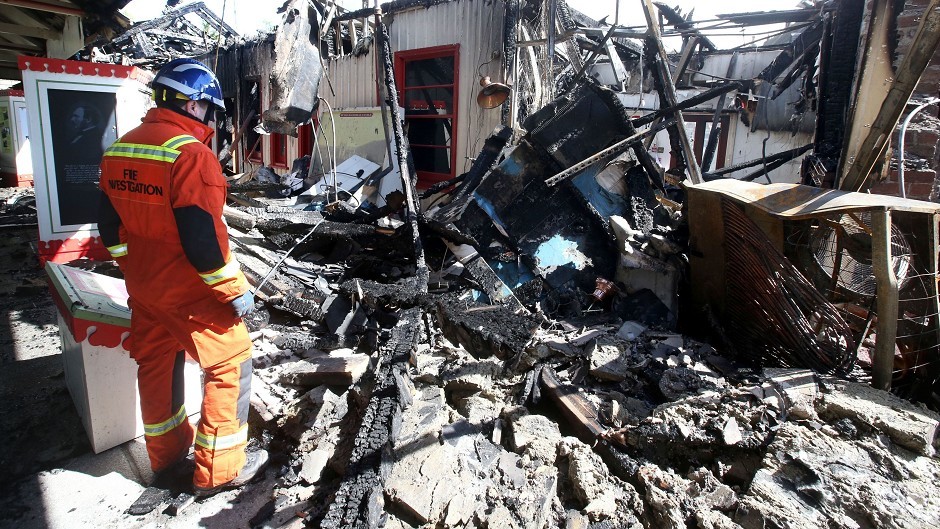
(772, 310)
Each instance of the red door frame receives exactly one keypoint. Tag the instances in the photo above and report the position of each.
(425, 178)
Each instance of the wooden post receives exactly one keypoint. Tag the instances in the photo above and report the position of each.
(871, 147)
(887, 296)
(933, 289)
(669, 93)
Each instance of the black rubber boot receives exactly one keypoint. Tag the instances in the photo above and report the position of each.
(255, 463)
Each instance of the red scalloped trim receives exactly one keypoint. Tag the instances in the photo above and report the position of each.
(14, 93)
(45, 64)
(64, 251)
(104, 334)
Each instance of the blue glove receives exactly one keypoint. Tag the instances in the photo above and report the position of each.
(244, 304)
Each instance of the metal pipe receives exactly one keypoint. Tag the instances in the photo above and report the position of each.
(904, 125)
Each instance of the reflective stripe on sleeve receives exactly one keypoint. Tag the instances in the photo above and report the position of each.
(145, 152)
(178, 141)
(118, 250)
(230, 270)
(222, 442)
(154, 430)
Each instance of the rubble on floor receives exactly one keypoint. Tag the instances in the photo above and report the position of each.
(526, 351)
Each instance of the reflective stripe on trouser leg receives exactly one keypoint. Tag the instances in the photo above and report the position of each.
(223, 428)
(167, 431)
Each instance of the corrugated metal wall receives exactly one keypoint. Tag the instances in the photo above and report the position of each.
(476, 25)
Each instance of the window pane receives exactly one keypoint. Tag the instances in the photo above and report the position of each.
(429, 132)
(431, 159)
(424, 101)
(426, 72)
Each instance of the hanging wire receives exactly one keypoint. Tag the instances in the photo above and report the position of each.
(218, 43)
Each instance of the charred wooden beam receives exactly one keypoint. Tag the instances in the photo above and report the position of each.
(855, 171)
(684, 26)
(573, 405)
(656, 55)
(496, 331)
(838, 56)
(359, 501)
(715, 133)
(400, 142)
(695, 100)
(330, 370)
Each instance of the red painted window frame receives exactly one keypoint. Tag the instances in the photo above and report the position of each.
(278, 146)
(402, 58)
(305, 134)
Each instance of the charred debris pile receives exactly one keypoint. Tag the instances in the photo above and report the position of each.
(534, 343)
(516, 362)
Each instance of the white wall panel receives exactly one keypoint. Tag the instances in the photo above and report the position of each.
(476, 25)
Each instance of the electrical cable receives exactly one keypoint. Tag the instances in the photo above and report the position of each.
(333, 153)
(284, 258)
(904, 125)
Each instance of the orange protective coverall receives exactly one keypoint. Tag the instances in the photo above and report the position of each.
(161, 219)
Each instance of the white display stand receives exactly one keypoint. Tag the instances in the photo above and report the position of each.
(94, 322)
(76, 110)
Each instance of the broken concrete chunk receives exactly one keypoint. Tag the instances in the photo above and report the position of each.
(536, 436)
(708, 519)
(912, 427)
(681, 381)
(810, 479)
(731, 432)
(478, 409)
(474, 375)
(314, 463)
(330, 370)
(423, 420)
(425, 480)
(587, 472)
(608, 361)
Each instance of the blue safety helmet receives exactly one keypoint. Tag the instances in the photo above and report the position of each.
(191, 80)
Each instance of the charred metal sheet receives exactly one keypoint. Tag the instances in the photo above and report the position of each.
(359, 501)
(562, 244)
(296, 72)
(576, 125)
(800, 48)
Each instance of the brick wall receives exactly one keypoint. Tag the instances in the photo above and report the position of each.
(922, 140)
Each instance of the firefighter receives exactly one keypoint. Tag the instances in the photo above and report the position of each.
(161, 218)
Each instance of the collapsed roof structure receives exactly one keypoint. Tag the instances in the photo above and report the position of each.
(593, 224)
